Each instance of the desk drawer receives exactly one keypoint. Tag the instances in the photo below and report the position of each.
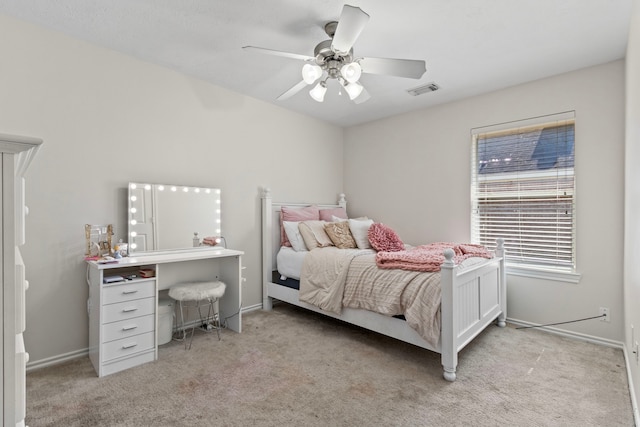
(118, 365)
(128, 310)
(128, 291)
(127, 328)
(128, 346)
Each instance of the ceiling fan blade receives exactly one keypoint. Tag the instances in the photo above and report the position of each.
(278, 53)
(351, 23)
(364, 96)
(411, 68)
(295, 89)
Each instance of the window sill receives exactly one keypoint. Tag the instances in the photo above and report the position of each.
(539, 273)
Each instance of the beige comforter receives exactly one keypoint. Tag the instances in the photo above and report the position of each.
(334, 278)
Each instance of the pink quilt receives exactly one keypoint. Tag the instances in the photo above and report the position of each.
(429, 257)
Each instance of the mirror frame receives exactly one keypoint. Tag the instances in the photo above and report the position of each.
(148, 204)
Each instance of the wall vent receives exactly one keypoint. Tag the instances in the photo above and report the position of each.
(429, 87)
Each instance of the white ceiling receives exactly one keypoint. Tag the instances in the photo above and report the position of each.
(470, 46)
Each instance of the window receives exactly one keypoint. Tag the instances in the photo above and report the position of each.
(523, 188)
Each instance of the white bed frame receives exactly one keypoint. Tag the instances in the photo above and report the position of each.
(471, 299)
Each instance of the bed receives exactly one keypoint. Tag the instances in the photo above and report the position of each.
(472, 294)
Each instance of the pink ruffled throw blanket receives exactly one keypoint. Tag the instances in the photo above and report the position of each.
(429, 257)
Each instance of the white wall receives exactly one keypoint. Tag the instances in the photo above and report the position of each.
(632, 203)
(107, 119)
(412, 172)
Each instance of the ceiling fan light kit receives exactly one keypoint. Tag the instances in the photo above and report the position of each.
(335, 58)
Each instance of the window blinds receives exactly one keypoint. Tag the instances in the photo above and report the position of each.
(523, 188)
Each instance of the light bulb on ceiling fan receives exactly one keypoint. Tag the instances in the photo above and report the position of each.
(351, 72)
(353, 89)
(311, 73)
(318, 92)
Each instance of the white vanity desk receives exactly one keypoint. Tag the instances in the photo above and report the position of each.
(123, 316)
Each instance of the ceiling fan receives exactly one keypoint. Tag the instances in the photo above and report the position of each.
(334, 59)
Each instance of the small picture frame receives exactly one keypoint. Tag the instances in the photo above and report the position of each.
(98, 240)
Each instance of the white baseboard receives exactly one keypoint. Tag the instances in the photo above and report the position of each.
(61, 358)
(252, 308)
(570, 334)
(55, 360)
(634, 401)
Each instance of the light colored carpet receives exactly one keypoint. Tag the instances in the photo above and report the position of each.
(291, 367)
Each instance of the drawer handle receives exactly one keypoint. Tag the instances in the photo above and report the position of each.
(130, 309)
(130, 292)
(126, 346)
(128, 328)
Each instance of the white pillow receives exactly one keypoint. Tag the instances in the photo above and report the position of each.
(360, 231)
(294, 236)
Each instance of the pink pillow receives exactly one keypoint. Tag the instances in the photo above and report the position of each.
(328, 214)
(384, 239)
(308, 213)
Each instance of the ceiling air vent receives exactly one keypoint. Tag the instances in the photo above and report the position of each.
(429, 87)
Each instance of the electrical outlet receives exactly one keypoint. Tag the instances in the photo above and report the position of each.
(604, 311)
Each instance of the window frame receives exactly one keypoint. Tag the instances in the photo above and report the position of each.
(548, 272)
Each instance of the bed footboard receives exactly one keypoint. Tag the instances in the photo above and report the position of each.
(471, 300)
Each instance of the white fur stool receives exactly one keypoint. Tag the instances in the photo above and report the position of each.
(194, 294)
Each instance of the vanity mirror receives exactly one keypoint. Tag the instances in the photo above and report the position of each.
(164, 217)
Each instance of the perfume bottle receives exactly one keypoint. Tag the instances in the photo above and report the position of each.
(196, 240)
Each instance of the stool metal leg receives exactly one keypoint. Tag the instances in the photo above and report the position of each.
(204, 321)
(193, 327)
(212, 320)
(216, 316)
(182, 325)
(213, 316)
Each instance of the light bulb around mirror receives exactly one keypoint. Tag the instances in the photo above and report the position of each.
(311, 73)
(351, 72)
(318, 92)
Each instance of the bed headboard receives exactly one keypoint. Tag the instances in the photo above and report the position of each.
(271, 228)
